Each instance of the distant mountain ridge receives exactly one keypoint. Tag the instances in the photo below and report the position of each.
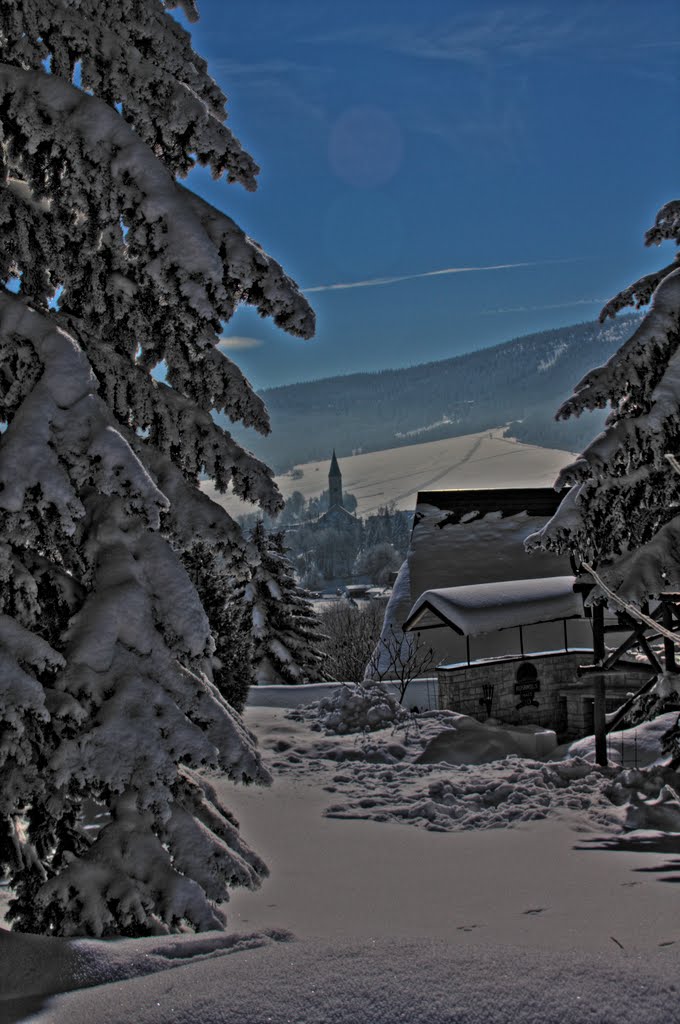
(520, 382)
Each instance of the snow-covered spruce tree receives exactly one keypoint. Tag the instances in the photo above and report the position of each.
(622, 513)
(285, 629)
(106, 655)
(216, 576)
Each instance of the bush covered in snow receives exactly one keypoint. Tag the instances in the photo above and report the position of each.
(356, 708)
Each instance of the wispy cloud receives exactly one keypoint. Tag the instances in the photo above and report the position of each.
(373, 282)
(479, 39)
(275, 66)
(236, 342)
(506, 34)
(552, 305)
(493, 121)
(280, 83)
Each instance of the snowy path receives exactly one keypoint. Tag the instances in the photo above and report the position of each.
(426, 485)
(539, 884)
(394, 924)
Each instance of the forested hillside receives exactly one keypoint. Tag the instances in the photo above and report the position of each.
(521, 382)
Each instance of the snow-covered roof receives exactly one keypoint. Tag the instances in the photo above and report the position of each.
(467, 504)
(338, 514)
(487, 607)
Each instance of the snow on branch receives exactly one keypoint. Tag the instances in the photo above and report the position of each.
(181, 261)
(250, 275)
(631, 609)
(179, 226)
(177, 426)
(635, 366)
(107, 38)
(192, 514)
(89, 136)
(112, 68)
(26, 647)
(44, 256)
(638, 294)
(42, 448)
(666, 225)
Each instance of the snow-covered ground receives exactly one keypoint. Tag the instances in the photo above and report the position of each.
(404, 889)
(486, 459)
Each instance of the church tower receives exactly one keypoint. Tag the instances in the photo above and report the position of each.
(335, 484)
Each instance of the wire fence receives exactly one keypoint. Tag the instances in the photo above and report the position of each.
(623, 748)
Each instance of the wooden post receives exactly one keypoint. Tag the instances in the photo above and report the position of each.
(599, 721)
(598, 634)
(671, 664)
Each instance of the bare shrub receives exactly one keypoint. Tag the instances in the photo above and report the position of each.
(351, 634)
(400, 658)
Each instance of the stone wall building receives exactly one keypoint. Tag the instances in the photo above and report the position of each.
(511, 636)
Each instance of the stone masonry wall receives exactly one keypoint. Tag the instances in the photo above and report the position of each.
(570, 715)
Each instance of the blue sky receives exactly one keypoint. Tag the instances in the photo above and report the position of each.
(397, 139)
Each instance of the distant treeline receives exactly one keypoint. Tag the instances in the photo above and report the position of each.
(520, 382)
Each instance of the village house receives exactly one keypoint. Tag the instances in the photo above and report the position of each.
(511, 636)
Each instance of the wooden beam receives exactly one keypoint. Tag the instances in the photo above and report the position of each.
(631, 641)
(628, 627)
(651, 656)
(627, 607)
(627, 705)
(668, 645)
(623, 669)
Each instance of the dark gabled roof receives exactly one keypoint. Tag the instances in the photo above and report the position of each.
(509, 501)
(335, 468)
(336, 511)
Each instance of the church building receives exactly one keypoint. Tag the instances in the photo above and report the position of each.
(335, 484)
(337, 515)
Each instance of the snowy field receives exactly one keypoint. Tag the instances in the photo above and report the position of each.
(476, 460)
(404, 889)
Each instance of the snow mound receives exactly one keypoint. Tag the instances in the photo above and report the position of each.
(469, 742)
(639, 745)
(37, 965)
(649, 797)
(505, 793)
(384, 981)
(499, 794)
(355, 708)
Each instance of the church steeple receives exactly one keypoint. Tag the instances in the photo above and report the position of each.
(335, 484)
